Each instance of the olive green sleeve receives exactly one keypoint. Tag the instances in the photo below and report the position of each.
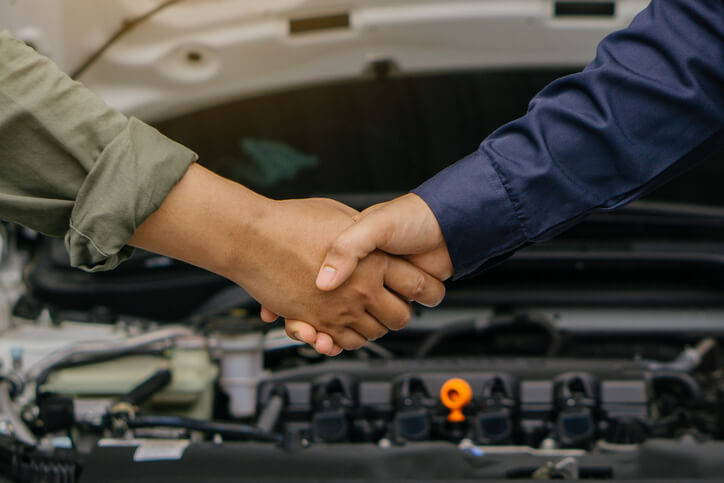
(71, 166)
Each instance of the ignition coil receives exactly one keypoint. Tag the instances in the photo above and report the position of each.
(413, 403)
(333, 398)
(494, 423)
(576, 399)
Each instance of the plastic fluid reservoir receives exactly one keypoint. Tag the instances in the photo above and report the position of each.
(241, 368)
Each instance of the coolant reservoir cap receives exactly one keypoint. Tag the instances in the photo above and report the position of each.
(455, 395)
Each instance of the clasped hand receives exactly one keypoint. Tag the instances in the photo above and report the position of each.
(374, 264)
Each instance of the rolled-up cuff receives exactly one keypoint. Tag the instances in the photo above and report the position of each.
(475, 212)
(127, 183)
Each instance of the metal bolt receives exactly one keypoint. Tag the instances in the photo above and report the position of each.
(466, 443)
(548, 443)
(30, 413)
(16, 355)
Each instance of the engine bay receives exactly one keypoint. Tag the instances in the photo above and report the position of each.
(233, 398)
(565, 362)
(596, 355)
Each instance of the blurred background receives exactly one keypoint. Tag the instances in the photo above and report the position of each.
(294, 98)
(597, 351)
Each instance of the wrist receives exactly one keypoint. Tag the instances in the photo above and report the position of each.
(242, 231)
(207, 221)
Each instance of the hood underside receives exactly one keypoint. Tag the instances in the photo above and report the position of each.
(190, 54)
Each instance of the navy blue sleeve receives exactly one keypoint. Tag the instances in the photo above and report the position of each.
(650, 105)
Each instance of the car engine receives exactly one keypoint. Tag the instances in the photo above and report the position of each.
(465, 392)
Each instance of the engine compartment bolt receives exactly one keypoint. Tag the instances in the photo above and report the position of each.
(466, 443)
(548, 444)
(31, 413)
(16, 355)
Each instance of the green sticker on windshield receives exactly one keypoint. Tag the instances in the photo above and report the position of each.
(265, 163)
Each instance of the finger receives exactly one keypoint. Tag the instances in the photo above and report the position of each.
(353, 244)
(369, 327)
(324, 343)
(435, 262)
(267, 315)
(413, 284)
(389, 310)
(337, 350)
(301, 331)
(349, 339)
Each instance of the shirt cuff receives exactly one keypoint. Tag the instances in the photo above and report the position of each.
(127, 183)
(478, 218)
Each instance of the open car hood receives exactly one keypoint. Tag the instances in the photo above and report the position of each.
(201, 53)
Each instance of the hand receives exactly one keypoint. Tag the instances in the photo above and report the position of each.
(362, 308)
(404, 226)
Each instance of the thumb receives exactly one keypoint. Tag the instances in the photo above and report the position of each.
(267, 315)
(352, 245)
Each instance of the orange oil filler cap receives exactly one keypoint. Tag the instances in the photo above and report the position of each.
(455, 395)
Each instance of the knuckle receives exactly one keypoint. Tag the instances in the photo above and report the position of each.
(361, 292)
(372, 331)
(419, 285)
(335, 253)
(342, 246)
(352, 345)
(343, 317)
(334, 330)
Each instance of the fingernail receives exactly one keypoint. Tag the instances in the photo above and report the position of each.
(297, 336)
(326, 277)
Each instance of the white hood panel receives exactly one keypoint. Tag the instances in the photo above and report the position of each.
(197, 53)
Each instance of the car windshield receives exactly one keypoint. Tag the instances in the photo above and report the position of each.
(384, 134)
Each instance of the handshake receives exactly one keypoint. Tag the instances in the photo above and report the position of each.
(348, 277)
(338, 277)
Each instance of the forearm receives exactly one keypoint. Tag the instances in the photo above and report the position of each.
(649, 106)
(207, 221)
(72, 166)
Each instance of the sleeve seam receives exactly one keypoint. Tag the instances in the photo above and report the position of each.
(508, 193)
(102, 252)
